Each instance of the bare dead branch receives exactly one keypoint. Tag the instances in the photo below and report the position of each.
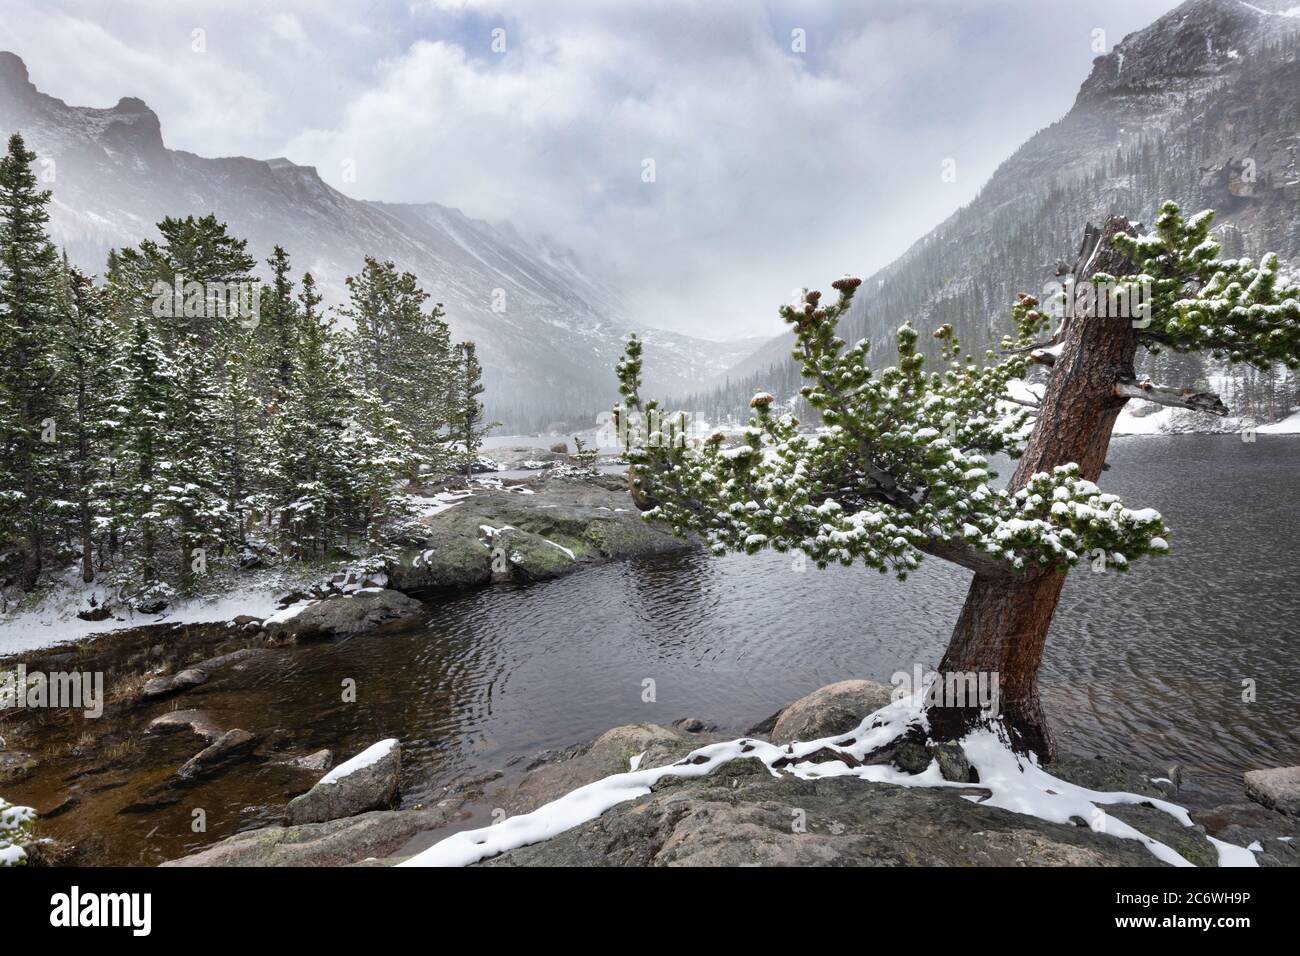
(1173, 397)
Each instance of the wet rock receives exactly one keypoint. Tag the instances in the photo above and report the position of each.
(217, 755)
(365, 610)
(17, 765)
(321, 760)
(834, 709)
(158, 687)
(445, 560)
(234, 658)
(333, 843)
(692, 725)
(532, 557)
(199, 722)
(1277, 789)
(368, 781)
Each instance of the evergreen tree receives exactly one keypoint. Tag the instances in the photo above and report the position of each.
(277, 328)
(90, 355)
(401, 353)
(902, 470)
(30, 327)
(467, 427)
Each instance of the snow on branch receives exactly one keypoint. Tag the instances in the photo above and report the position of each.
(1174, 397)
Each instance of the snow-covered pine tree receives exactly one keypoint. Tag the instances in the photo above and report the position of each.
(240, 450)
(468, 427)
(401, 354)
(145, 407)
(30, 327)
(377, 453)
(90, 350)
(901, 471)
(195, 291)
(312, 470)
(278, 326)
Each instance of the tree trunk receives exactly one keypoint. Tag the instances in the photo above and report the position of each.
(1003, 625)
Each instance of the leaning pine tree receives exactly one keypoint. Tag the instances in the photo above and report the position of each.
(901, 472)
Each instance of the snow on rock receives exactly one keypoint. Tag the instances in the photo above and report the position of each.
(368, 757)
(1017, 784)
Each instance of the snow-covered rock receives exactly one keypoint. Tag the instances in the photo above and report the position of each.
(368, 781)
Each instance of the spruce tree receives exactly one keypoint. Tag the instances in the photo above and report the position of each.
(401, 354)
(467, 426)
(90, 355)
(30, 327)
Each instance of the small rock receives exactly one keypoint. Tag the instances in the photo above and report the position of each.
(197, 721)
(834, 709)
(368, 781)
(952, 762)
(692, 725)
(320, 760)
(158, 687)
(911, 756)
(1277, 789)
(231, 744)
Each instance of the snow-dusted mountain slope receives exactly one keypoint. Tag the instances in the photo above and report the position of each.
(549, 328)
(1202, 106)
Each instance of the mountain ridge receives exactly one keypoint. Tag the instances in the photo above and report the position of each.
(1182, 103)
(549, 327)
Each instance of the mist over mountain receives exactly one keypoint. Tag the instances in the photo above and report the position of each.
(1199, 107)
(549, 327)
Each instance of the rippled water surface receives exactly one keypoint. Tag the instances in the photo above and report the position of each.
(1147, 665)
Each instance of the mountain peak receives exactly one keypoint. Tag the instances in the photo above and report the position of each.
(14, 78)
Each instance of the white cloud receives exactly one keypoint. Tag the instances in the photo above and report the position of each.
(773, 168)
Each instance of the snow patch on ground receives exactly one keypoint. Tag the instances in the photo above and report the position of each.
(54, 620)
(1287, 426)
(1017, 783)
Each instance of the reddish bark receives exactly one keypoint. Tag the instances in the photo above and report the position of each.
(1003, 625)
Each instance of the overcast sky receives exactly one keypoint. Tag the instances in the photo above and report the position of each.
(791, 142)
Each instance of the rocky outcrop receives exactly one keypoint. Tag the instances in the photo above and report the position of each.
(338, 616)
(741, 815)
(333, 843)
(1275, 836)
(369, 781)
(1277, 789)
(444, 559)
(526, 533)
(834, 709)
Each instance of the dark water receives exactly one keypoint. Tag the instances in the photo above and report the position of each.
(1146, 665)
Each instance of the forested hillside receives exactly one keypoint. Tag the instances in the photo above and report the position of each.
(179, 413)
